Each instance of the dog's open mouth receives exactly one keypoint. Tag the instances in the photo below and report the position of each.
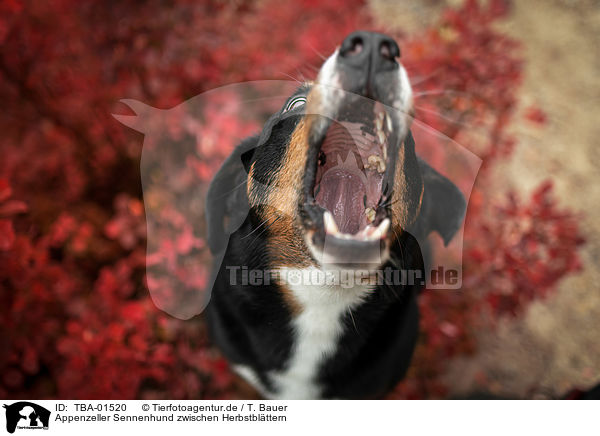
(348, 180)
(350, 167)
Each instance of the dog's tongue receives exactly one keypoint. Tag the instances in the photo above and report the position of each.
(342, 193)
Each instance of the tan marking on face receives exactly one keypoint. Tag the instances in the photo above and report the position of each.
(404, 212)
(285, 248)
(285, 190)
(285, 243)
(288, 181)
(249, 184)
(399, 211)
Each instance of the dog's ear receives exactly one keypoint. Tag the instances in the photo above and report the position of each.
(226, 200)
(443, 206)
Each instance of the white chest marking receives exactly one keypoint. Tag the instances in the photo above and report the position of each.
(317, 329)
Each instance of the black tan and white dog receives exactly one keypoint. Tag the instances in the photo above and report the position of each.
(332, 184)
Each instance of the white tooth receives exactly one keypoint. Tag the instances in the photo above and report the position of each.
(381, 229)
(330, 225)
(385, 225)
(370, 213)
(388, 122)
(378, 124)
(381, 137)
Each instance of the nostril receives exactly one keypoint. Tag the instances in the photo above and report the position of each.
(385, 50)
(353, 47)
(357, 46)
(389, 50)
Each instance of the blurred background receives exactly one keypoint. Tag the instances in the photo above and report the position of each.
(517, 83)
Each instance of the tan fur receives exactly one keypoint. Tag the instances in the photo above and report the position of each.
(403, 212)
(286, 247)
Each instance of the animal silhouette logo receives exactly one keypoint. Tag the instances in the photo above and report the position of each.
(26, 415)
(183, 147)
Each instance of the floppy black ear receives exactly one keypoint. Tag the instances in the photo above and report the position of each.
(443, 207)
(226, 200)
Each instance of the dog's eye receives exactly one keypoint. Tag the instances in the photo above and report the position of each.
(294, 103)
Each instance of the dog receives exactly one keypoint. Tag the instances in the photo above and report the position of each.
(332, 184)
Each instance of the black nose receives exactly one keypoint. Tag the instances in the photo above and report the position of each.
(369, 50)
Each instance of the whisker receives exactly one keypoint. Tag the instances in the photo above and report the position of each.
(251, 245)
(423, 79)
(352, 318)
(400, 245)
(317, 52)
(232, 189)
(291, 77)
(445, 117)
(302, 75)
(474, 131)
(441, 92)
(389, 203)
(434, 131)
(258, 227)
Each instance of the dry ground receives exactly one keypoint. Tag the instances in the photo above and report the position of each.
(557, 344)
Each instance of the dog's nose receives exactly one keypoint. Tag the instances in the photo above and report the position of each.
(371, 51)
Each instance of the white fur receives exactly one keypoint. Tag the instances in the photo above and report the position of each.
(317, 329)
(330, 87)
(250, 376)
(404, 100)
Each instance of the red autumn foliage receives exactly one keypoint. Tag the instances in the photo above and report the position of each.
(536, 115)
(76, 313)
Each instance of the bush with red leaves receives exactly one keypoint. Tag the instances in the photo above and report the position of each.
(76, 313)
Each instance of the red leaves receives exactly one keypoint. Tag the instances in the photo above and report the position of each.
(514, 254)
(8, 209)
(5, 190)
(536, 115)
(7, 235)
(127, 226)
(527, 249)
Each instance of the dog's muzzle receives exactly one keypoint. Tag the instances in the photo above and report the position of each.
(358, 113)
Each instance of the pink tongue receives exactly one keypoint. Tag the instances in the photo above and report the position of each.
(342, 193)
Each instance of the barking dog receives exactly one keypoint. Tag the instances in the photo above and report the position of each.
(332, 185)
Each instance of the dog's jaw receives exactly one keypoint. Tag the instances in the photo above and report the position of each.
(333, 244)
